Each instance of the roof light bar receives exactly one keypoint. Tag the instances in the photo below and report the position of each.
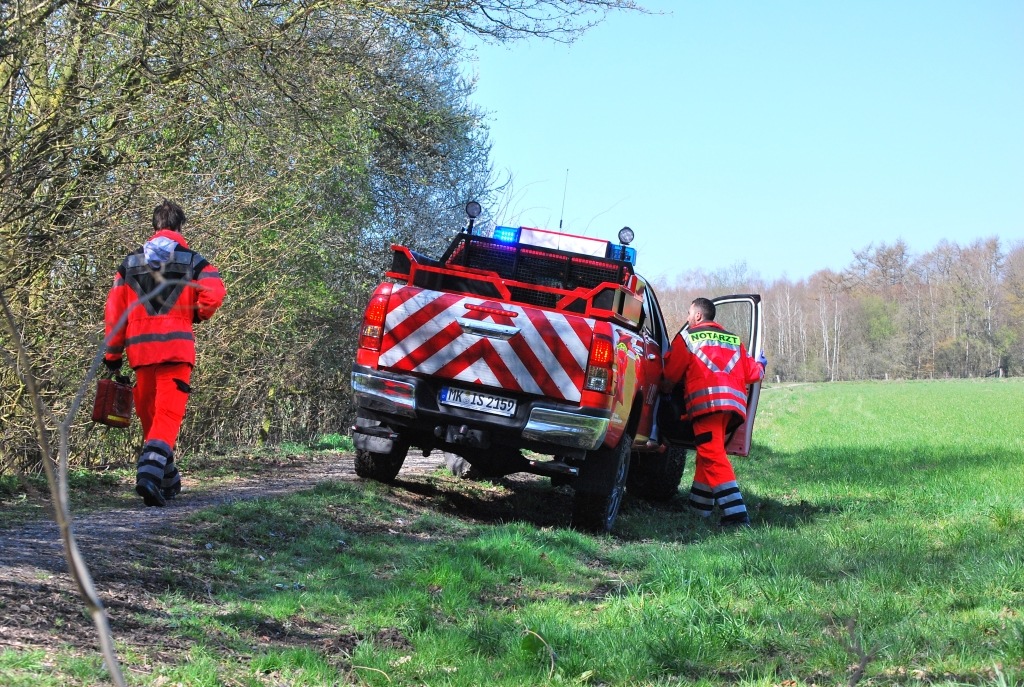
(542, 238)
(506, 234)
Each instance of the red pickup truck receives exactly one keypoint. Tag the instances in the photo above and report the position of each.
(524, 350)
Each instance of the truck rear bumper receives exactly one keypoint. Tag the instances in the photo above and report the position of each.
(565, 428)
(384, 393)
(414, 402)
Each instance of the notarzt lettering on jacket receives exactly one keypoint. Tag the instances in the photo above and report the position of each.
(721, 337)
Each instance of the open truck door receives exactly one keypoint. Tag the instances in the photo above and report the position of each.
(741, 315)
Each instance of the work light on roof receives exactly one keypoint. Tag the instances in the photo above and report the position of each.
(625, 236)
(473, 209)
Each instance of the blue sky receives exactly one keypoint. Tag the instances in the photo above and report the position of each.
(784, 134)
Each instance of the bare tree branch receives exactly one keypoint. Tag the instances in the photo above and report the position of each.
(59, 495)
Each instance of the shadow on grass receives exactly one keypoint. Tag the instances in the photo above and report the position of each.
(674, 520)
(512, 499)
(788, 492)
(533, 501)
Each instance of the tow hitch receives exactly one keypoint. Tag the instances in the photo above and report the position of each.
(462, 435)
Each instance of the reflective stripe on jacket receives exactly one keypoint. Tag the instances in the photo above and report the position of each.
(715, 370)
(159, 330)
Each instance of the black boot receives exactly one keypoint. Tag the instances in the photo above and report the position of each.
(149, 492)
(152, 462)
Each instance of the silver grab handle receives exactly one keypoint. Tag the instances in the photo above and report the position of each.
(488, 329)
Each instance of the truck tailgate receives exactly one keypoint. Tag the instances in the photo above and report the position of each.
(491, 343)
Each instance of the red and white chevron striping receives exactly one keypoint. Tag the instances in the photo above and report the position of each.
(547, 355)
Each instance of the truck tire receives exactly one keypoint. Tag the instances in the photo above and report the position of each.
(382, 467)
(655, 477)
(601, 487)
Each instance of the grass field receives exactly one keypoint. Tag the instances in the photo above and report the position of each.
(887, 548)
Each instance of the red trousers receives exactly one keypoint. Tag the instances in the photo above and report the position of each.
(161, 394)
(712, 465)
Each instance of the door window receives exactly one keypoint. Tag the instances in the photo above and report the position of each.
(738, 318)
(654, 323)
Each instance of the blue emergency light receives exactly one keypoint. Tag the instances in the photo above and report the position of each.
(623, 253)
(506, 234)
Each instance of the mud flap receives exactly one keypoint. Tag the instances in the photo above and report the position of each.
(372, 443)
(370, 435)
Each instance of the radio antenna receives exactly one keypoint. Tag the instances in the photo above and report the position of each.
(564, 189)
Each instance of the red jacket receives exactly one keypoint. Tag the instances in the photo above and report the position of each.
(160, 330)
(715, 370)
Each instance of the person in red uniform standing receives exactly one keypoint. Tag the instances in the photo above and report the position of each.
(160, 291)
(715, 369)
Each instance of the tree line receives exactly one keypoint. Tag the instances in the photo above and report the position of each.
(954, 311)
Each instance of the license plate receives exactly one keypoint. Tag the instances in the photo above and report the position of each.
(474, 400)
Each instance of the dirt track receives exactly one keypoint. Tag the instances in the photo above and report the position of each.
(39, 605)
(37, 544)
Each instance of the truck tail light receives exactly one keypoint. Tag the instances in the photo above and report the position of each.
(599, 367)
(371, 332)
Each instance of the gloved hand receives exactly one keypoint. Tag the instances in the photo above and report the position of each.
(113, 366)
(761, 360)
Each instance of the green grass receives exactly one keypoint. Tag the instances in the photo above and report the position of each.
(33, 668)
(889, 524)
(327, 442)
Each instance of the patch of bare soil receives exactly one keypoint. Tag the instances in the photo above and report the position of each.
(41, 608)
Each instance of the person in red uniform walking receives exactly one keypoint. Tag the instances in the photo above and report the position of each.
(164, 287)
(715, 369)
